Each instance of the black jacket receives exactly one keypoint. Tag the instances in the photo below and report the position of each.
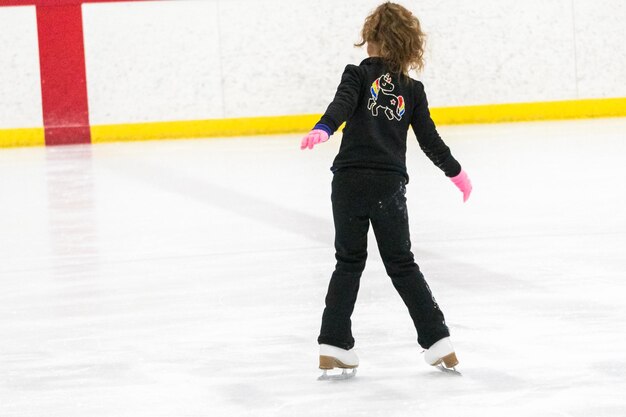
(378, 108)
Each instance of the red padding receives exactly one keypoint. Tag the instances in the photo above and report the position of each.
(63, 79)
(56, 2)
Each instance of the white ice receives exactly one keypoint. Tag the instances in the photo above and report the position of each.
(187, 278)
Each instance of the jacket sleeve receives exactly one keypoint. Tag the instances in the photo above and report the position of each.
(428, 138)
(345, 101)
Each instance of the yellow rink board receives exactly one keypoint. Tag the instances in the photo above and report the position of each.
(491, 113)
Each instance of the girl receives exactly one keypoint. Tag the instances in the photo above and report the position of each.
(379, 101)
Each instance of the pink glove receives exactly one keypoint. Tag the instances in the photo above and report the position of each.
(463, 183)
(314, 137)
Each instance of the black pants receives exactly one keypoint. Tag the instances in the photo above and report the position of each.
(360, 197)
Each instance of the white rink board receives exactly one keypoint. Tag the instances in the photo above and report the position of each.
(205, 59)
(600, 51)
(20, 82)
(152, 61)
(189, 60)
(498, 51)
(286, 57)
(187, 278)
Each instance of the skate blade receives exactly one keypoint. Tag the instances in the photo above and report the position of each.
(337, 377)
(450, 371)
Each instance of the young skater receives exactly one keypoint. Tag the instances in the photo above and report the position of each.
(379, 101)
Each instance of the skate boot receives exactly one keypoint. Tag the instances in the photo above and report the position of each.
(332, 357)
(442, 355)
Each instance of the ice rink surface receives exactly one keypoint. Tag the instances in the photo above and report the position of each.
(187, 278)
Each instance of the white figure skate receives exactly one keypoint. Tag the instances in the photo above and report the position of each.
(332, 357)
(442, 355)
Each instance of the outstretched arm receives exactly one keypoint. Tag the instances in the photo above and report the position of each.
(434, 147)
(339, 110)
(345, 101)
(428, 138)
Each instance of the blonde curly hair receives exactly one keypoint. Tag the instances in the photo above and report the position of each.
(398, 35)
